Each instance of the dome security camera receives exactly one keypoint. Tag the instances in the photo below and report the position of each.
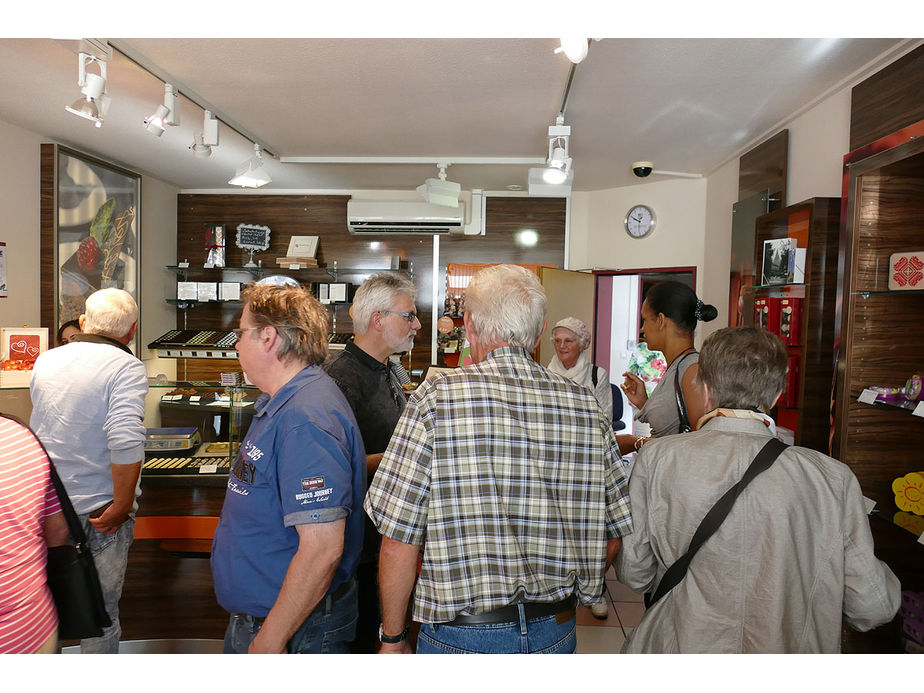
(642, 169)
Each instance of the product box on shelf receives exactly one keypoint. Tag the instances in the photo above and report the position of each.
(767, 313)
(790, 330)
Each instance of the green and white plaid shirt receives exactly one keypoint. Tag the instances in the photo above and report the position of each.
(510, 478)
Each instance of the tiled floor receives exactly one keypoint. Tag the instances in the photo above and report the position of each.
(598, 636)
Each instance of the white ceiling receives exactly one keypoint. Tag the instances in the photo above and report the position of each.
(686, 104)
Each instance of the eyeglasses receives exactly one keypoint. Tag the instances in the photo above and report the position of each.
(239, 331)
(410, 315)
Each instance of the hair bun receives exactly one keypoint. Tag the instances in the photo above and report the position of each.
(705, 312)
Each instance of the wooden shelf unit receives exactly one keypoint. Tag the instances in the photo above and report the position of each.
(814, 224)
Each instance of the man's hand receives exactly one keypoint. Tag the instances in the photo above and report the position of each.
(403, 647)
(261, 645)
(111, 519)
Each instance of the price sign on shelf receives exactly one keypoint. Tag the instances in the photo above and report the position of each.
(868, 396)
(919, 410)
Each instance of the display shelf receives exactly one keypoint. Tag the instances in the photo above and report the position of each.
(884, 292)
(903, 404)
(331, 271)
(802, 314)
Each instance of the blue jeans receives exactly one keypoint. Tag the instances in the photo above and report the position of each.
(110, 554)
(328, 630)
(543, 635)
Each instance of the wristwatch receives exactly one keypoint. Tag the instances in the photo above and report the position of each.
(392, 639)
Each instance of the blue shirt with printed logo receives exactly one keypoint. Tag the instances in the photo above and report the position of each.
(301, 462)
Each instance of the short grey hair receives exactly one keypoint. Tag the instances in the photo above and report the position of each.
(378, 292)
(507, 304)
(110, 312)
(743, 367)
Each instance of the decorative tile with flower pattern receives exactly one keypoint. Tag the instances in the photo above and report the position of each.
(909, 492)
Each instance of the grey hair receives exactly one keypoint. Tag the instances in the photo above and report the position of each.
(378, 292)
(743, 367)
(110, 312)
(507, 304)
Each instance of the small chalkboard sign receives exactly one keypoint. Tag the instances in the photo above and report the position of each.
(252, 237)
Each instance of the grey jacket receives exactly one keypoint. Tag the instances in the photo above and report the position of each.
(794, 554)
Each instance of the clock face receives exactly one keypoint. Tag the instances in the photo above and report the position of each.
(640, 221)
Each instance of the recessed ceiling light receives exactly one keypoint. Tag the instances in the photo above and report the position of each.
(514, 187)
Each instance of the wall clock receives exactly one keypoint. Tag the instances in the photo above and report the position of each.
(640, 221)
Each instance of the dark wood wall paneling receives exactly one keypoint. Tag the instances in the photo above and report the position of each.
(888, 101)
(47, 202)
(765, 167)
(325, 216)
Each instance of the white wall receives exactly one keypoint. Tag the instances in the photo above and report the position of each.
(19, 225)
(818, 140)
(599, 239)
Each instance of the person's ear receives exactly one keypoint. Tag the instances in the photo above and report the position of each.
(81, 321)
(775, 400)
(707, 396)
(539, 339)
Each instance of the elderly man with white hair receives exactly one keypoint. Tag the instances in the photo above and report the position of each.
(88, 410)
(508, 478)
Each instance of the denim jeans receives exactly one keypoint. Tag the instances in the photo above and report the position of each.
(328, 630)
(110, 554)
(543, 635)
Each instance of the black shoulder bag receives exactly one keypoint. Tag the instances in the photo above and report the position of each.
(72, 577)
(714, 518)
(685, 426)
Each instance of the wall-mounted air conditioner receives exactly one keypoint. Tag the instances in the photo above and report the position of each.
(403, 217)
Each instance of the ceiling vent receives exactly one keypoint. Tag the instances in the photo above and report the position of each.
(395, 217)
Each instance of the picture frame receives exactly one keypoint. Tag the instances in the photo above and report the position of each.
(20, 346)
(303, 246)
(91, 232)
(778, 260)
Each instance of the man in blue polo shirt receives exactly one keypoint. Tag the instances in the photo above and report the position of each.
(286, 548)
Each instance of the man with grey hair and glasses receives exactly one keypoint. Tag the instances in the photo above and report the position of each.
(88, 411)
(286, 547)
(507, 478)
(794, 555)
(384, 323)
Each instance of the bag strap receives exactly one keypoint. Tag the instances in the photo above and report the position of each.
(685, 426)
(73, 522)
(714, 518)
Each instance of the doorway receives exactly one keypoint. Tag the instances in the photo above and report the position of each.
(619, 295)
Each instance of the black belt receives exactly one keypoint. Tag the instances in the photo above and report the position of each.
(511, 613)
(334, 596)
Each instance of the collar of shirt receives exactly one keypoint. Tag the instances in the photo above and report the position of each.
(740, 414)
(365, 359)
(270, 405)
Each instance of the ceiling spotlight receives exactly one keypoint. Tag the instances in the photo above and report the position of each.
(155, 123)
(203, 143)
(94, 103)
(574, 48)
(439, 191)
(252, 173)
(199, 148)
(558, 165)
(166, 113)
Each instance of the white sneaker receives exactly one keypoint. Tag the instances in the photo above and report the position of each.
(600, 610)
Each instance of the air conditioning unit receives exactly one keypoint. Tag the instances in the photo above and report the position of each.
(370, 217)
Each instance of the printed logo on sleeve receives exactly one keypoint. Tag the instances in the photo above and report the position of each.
(313, 490)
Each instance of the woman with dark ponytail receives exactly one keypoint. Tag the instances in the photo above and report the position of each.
(669, 316)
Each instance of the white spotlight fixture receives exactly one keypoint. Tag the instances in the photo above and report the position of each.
(439, 191)
(203, 143)
(252, 173)
(575, 49)
(559, 160)
(166, 113)
(94, 103)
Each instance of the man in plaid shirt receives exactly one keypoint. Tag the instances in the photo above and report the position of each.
(508, 478)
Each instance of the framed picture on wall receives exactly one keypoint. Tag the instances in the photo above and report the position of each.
(96, 237)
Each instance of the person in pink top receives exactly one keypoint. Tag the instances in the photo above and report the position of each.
(30, 520)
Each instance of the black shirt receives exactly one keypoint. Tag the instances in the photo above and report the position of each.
(374, 392)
